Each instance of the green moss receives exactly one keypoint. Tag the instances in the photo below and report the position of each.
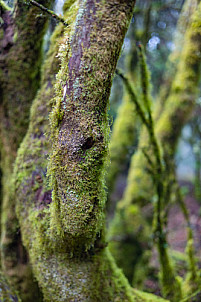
(171, 285)
(65, 266)
(124, 127)
(146, 296)
(7, 294)
(84, 132)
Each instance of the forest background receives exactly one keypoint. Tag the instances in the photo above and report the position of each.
(57, 184)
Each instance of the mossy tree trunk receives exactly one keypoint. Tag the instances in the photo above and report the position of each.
(21, 38)
(63, 228)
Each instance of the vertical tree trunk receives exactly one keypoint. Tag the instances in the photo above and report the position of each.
(21, 39)
(64, 231)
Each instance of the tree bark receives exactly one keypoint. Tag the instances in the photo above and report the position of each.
(21, 39)
(63, 230)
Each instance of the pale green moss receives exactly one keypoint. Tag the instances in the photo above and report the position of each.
(149, 297)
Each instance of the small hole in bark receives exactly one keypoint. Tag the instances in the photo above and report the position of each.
(88, 143)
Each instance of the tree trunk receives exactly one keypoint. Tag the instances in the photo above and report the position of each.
(64, 231)
(22, 32)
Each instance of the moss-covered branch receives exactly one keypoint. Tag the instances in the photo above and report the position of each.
(49, 12)
(132, 94)
(170, 286)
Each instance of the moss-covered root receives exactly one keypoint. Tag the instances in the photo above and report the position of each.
(142, 296)
(7, 294)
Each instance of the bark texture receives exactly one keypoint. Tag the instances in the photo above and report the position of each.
(22, 31)
(61, 212)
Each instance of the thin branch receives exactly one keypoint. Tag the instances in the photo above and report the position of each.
(133, 98)
(190, 240)
(186, 299)
(48, 11)
(149, 160)
(153, 139)
(159, 236)
(144, 78)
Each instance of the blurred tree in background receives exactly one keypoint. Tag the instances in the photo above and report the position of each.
(130, 232)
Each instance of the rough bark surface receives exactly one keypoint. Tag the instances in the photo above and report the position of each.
(64, 229)
(21, 38)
